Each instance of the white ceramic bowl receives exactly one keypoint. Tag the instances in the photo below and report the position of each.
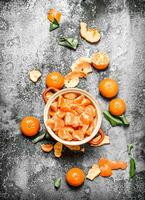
(89, 96)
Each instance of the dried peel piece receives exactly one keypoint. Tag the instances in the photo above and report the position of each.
(93, 172)
(82, 64)
(89, 34)
(58, 149)
(34, 75)
(47, 147)
(72, 79)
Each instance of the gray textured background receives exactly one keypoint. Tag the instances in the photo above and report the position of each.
(25, 42)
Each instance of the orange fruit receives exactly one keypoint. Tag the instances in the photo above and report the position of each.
(117, 107)
(30, 126)
(108, 88)
(53, 14)
(55, 79)
(75, 177)
(100, 60)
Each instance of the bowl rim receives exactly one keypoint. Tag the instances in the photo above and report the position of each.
(90, 97)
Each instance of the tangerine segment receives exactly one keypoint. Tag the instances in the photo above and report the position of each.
(71, 120)
(85, 118)
(47, 147)
(90, 129)
(54, 106)
(53, 14)
(58, 149)
(78, 135)
(77, 108)
(75, 177)
(69, 117)
(51, 123)
(71, 96)
(66, 133)
(105, 170)
(90, 110)
(60, 101)
(79, 99)
(59, 123)
(60, 114)
(85, 102)
(100, 60)
(117, 107)
(108, 88)
(51, 113)
(30, 126)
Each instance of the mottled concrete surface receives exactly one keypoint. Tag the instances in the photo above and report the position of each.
(25, 43)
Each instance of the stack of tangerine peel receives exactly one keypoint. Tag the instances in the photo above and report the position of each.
(64, 119)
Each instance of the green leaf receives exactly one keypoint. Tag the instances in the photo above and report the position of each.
(124, 120)
(38, 138)
(57, 183)
(68, 42)
(54, 25)
(130, 147)
(132, 169)
(114, 121)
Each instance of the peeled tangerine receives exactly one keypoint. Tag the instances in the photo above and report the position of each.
(89, 34)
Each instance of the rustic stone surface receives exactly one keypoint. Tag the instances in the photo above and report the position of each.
(25, 43)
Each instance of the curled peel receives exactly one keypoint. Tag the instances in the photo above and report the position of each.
(93, 172)
(105, 141)
(89, 34)
(34, 75)
(72, 79)
(82, 64)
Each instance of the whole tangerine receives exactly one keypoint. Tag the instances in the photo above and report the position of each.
(55, 79)
(117, 107)
(75, 177)
(30, 126)
(108, 88)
